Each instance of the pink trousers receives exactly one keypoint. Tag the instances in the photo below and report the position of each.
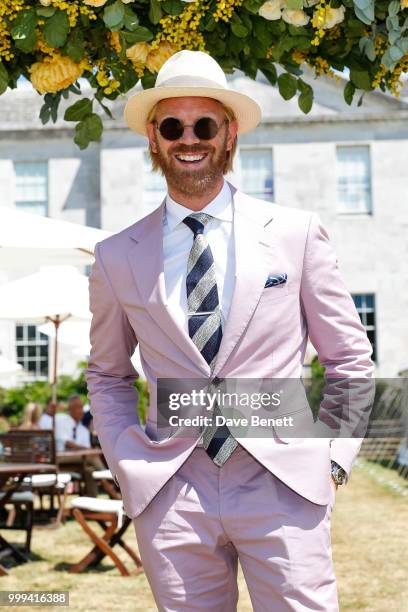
(205, 518)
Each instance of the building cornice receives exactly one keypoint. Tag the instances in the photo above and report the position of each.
(270, 122)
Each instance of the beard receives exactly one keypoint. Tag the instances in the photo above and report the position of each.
(190, 181)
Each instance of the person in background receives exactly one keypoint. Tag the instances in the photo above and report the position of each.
(31, 416)
(61, 407)
(71, 434)
(47, 416)
(69, 431)
(87, 421)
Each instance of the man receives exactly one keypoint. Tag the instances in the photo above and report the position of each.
(216, 284)
(71, 434)
(47, 417)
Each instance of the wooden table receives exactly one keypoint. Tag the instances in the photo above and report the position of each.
(75, 454)
(17, 471)
(78, 460)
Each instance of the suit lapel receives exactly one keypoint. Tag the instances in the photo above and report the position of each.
(146, 260)
(253, 252)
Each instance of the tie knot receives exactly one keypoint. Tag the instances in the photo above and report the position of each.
(197, 222)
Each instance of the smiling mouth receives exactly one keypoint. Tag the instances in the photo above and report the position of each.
(192, 158)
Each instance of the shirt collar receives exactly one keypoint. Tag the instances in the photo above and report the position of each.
(219, 207)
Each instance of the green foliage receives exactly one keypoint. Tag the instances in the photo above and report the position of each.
(364, 10)
(14, 399)
(155, 11)
(143, 404)
(114, 14)
(287, 85)
(172, 7)
(23, 30)
(305, 99)
(88, 130)
(3, 78)
(370, 39)
(315, 386)
(56, 29)
(349, 91)
(75, 45)
(79, 110)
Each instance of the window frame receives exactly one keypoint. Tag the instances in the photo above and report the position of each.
(340, 209)
(254, 147)
(35, 343)
(25, 205)
(362, 312)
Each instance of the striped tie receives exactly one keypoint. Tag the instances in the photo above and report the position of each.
(205, 326)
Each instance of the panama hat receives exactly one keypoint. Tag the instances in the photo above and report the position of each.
(191, 73)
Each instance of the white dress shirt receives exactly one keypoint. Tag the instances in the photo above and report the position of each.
(177, 243)
(45, 421)
(66, 428)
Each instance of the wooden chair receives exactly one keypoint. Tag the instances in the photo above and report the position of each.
(108, 513)
(25, 446)
(33, 446)
(52, 485)
(106, 480)
(22, 503)
(383, 441)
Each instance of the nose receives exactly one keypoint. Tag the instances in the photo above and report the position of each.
(189, 136)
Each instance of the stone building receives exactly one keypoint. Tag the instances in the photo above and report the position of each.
(346, 163)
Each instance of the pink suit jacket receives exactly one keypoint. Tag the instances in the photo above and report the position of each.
(265, 336)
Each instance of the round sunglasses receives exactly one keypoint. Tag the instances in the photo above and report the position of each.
(205, 128)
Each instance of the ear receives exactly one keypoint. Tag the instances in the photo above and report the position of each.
(151, 136)
(232, 133)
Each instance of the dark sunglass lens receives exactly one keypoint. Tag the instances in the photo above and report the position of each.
(171, 128)
(206, 128)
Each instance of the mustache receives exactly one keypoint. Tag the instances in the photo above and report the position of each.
(190, 150)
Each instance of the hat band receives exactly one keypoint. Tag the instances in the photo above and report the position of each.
(182, 81)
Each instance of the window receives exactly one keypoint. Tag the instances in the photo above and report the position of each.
(154, 184)
(32, 350)
(354, 179)
(257, 172)
(32, 187)
(365, 305)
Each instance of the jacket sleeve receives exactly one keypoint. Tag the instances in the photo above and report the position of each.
(336, 332)
(110, 375)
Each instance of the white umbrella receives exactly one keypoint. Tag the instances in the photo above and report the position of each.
(76, 334)
(56, 293)
(29, 239)
(73, 333)
(9, 367)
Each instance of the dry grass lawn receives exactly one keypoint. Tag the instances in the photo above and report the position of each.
(370, 551)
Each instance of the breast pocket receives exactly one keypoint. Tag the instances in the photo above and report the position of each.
(276, 292)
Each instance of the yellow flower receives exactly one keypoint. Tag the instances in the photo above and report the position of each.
(298, 57)
(114, 41)
(45, 2)
(95, 2)
(404, 4)
(157, 57)
(138, 53)
(55, 73)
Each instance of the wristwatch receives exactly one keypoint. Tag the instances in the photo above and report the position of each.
(339, 475)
